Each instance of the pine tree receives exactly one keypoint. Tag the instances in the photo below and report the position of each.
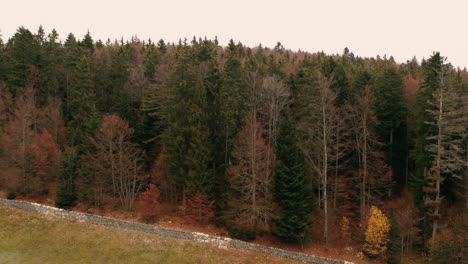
(290, 190)
(51, 59)
(390, 110)
(213, 84)
(83, 117)
(119, 99)
(88, 42)
(2, 60)
(151, 60)
(187, 133)
(233, 100)
(65, 183)
(23, 54)
(422, 160)
(445, 147)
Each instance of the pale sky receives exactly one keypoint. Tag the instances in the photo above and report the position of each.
(402, 28)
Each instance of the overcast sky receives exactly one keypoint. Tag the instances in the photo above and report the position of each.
(402, 28)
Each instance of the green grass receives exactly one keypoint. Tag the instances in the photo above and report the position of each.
(27, 237)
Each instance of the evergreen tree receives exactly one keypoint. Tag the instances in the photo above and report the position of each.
(233, 100)
(430, 69)
(390, 110)
(65, 183)
(213, 83)
(2, 60)
(187, 135)
(51, 60)
(162, 46)
(339, 84)
(119, 99)
(151, 60)
(72, 54)
(88, 42)
(422, 159)
(445, 147)
(23, 53)
(290, 190)
(83, 118)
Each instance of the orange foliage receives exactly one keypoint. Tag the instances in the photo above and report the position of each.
(46, 154)
(250, 201)
(159, 174)
(149, 205)
(406, 214)
(17, 136)
(345, 230)
(199, 208)
(411, 87)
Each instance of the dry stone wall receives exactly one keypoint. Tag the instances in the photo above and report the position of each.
(222, 242)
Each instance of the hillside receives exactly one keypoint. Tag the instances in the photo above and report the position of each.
(291, 149)
(31, 238)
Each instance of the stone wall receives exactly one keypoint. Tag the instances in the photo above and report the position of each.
(222, 242)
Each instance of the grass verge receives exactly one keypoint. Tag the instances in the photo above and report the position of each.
(26, 237)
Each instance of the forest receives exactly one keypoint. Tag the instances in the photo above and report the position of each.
(331, 148)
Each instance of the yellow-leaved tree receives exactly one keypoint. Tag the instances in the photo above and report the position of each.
(377, 233)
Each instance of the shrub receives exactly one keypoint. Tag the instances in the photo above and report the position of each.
(242, 234)
(345, 231)
(199, 208)
(377, 234)
(448, 247)
(149, 203)
(11, 196)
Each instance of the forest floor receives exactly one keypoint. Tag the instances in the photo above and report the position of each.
(170, 219)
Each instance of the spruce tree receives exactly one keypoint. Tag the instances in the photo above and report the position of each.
(233, 100)
(83, 118)
(23, 52)
(390, 110)
(187, 135)
(65, 184)
(88, 42)
(290, 191)
(51, 59)
(2, 60)
(422, 159)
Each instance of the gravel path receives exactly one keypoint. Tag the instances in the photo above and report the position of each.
(166, 232)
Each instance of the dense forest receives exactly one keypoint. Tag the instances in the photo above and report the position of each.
(337, 149)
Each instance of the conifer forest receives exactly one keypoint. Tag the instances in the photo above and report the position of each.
(299, 147)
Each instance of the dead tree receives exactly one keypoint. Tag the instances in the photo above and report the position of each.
(446, 145)
(374, 174)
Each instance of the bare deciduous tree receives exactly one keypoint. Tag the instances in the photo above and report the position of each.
(250, 203)
(117, 159)
(274, 97)
(374, 174)
(19, 134)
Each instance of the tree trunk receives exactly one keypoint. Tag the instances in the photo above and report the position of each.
(254, 173)
(364, 168)
(438, 160)
(325, 171)
(466, 180)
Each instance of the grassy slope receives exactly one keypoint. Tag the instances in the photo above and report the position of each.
(26, 237)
